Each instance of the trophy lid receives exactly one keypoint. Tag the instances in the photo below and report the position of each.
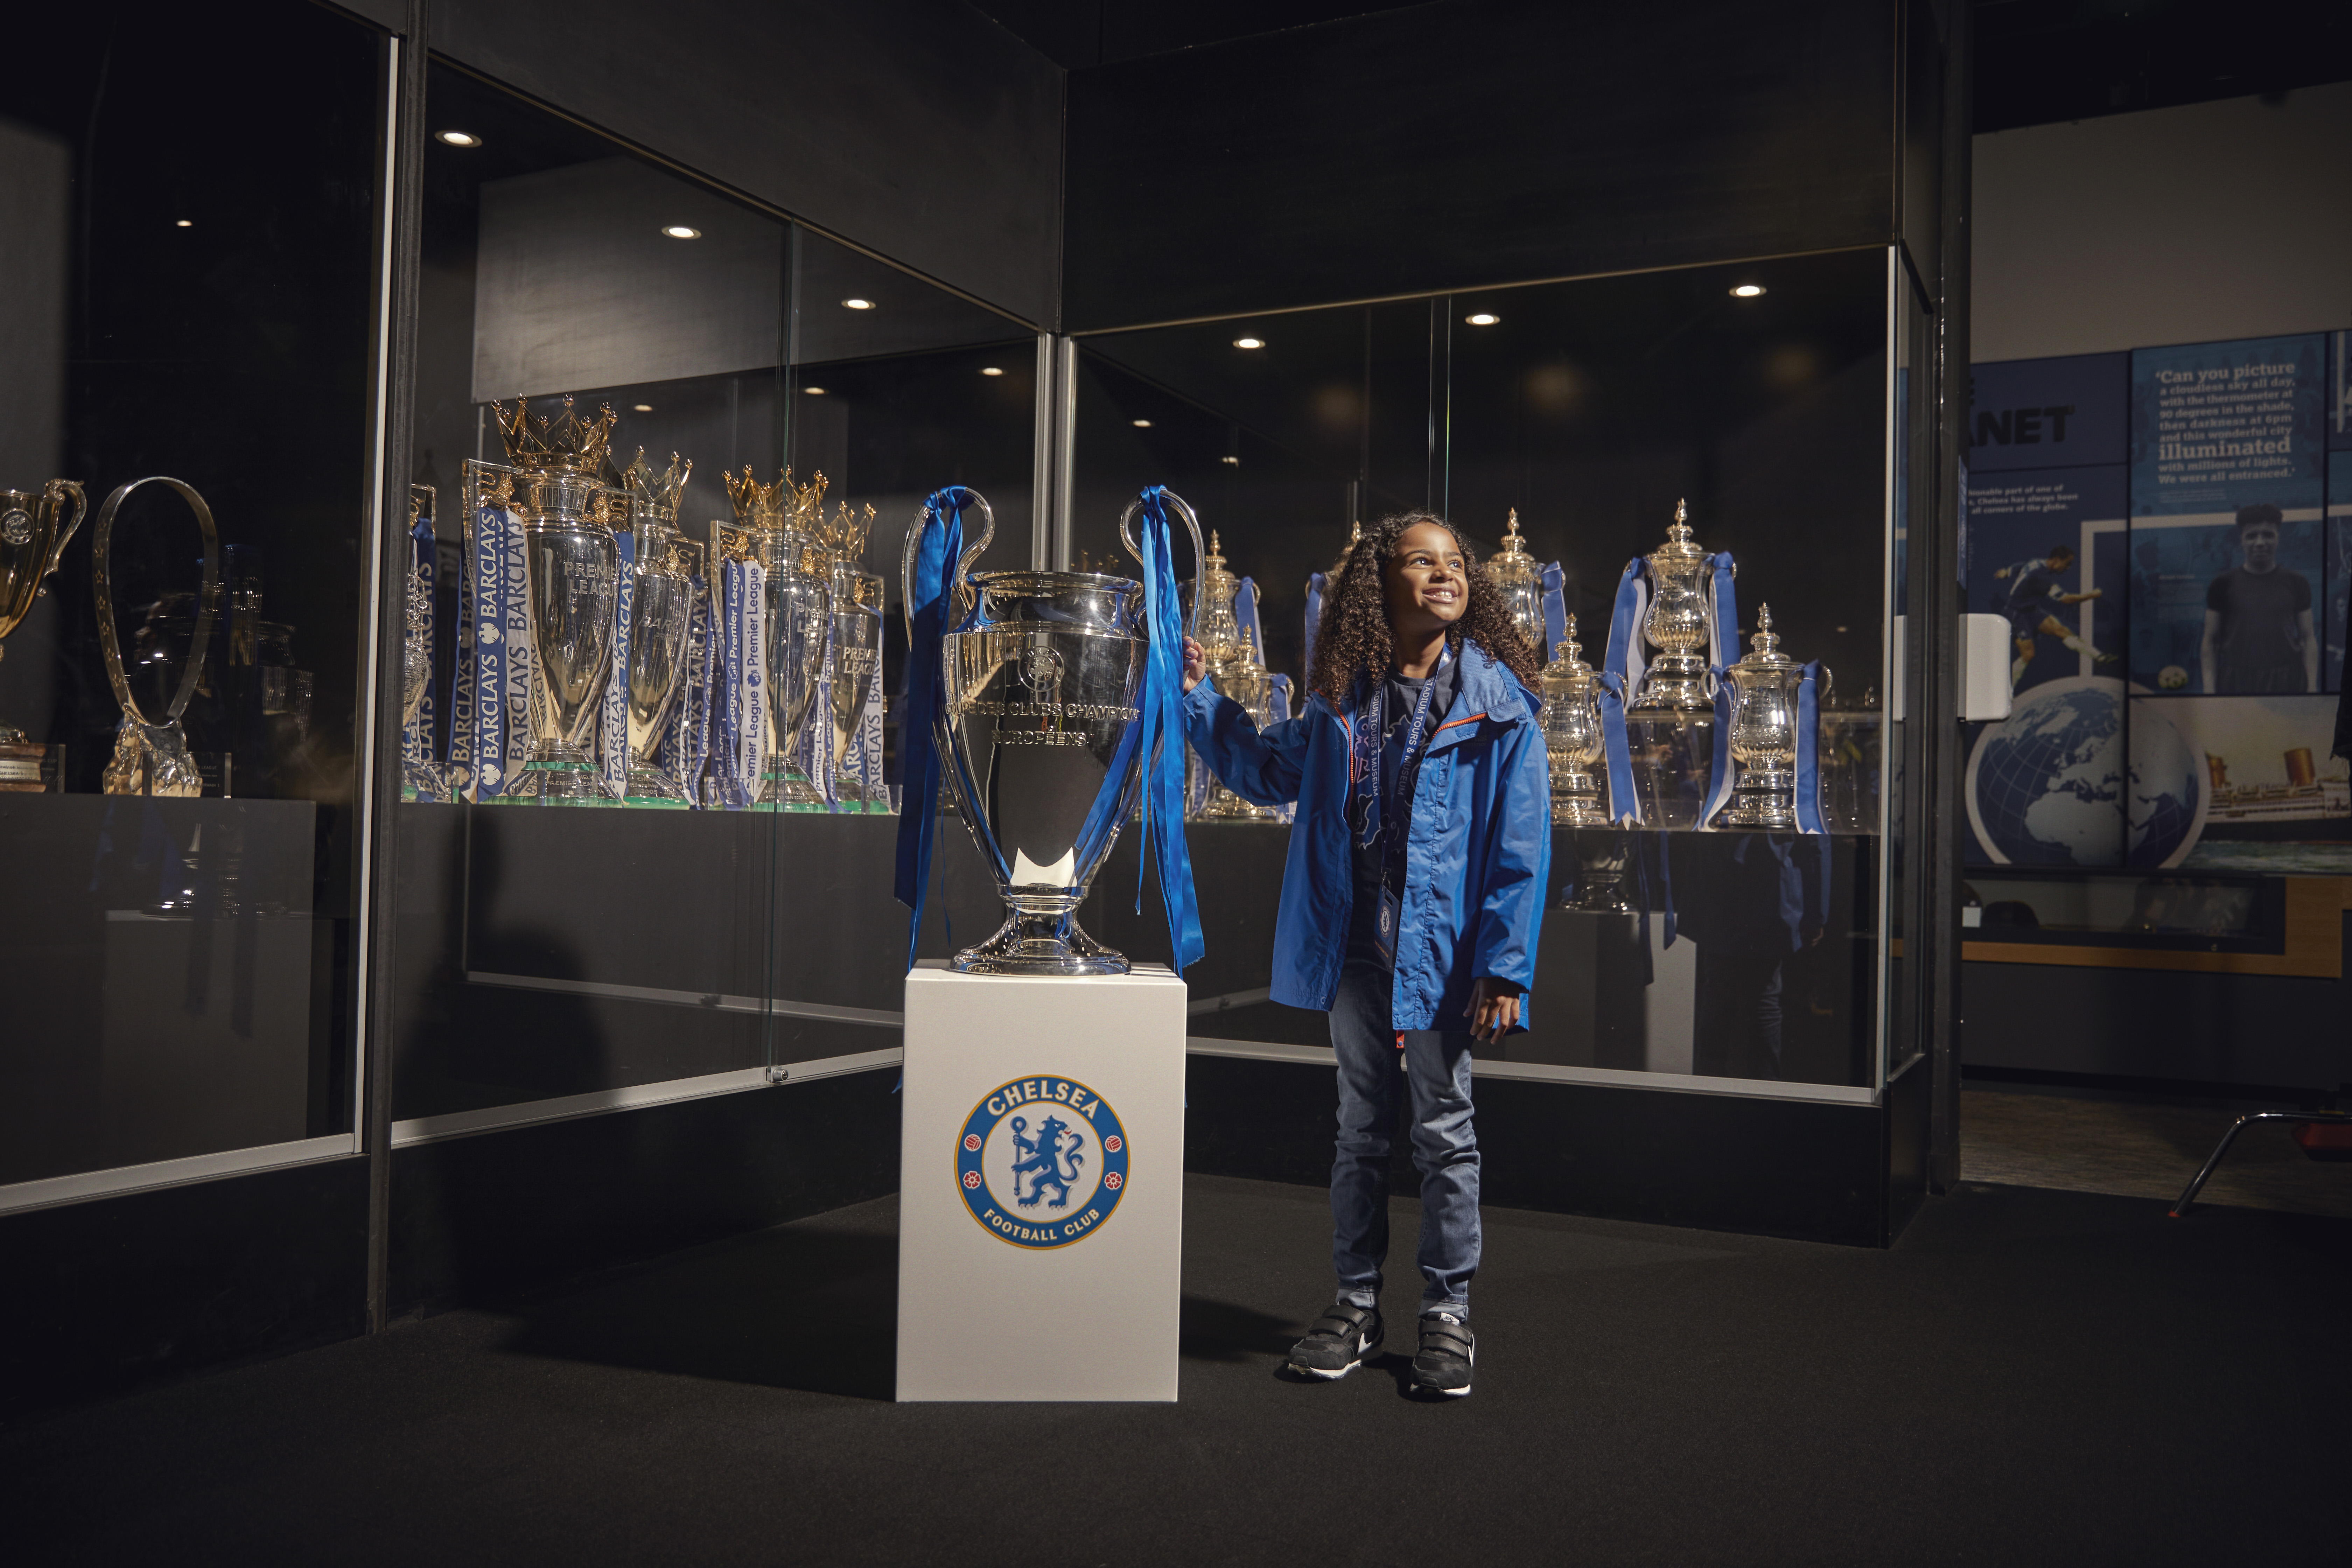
(1679, 548)
(1513, 564)
(1764, 647)
(561, 444)
(1567, 674)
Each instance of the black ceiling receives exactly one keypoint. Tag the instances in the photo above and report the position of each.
(2037, 61)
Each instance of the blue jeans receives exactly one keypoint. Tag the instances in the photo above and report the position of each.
(1444, 1146)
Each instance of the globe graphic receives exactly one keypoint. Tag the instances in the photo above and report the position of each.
(2055, 784)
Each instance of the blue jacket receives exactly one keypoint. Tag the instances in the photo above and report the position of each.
(1477, 863)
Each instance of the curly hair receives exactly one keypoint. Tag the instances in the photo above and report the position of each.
(1353, 637)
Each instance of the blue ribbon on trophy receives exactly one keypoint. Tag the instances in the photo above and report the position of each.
(1620, 676)
(1808, 748)
(1718, 769)
(614, 720)
(1317, 586)
(1161, 737)
(461, 683)
(416, 746)
(494, 531)
(1555, 608)
(1279, 710)
(931, 582)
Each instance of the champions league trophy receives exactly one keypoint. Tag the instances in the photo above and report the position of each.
(1670, 723)
(1763, 738)
(1515, 572)
(152, 758)
(786, 524)
(857, 648)
(35, 528)
(1039, 729)
(572, 566)
(661, 608)
(1571, 726)
(1232, 665)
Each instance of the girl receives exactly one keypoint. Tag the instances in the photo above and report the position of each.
(1410, 899)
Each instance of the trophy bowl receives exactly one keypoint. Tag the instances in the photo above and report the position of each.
(1039, 729)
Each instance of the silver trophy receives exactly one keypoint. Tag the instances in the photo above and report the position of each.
(1041, 678)
(35, 528)
(152, 758)
(1763, 738)
(1515, 572)
(1234, 667)
(856, 655)
(781, 527)
(572, 576)
(1572, 739)
(661, 608)
(1670, 723)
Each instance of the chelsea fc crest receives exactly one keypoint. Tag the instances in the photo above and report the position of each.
(1042, 1161)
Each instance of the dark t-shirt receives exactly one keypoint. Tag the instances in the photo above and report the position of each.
(2258, 647)
(1396, 712)
(2031, 594)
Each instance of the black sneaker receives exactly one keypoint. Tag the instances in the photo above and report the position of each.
(1338, 1341)
(1448, 1349)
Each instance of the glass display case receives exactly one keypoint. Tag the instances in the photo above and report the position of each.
(667, 447)
(190, 295)
(1670, 458)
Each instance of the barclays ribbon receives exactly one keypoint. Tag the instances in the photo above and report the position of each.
(1160, 736)
(930, 588)
(1808, 764)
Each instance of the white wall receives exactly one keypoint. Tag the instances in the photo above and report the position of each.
(2230, 219)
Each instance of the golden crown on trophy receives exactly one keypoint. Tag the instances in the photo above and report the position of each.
(658, 494)
(565, 443)
(781, 505)
(846, 534)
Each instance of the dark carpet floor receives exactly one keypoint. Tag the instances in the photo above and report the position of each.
(2030, 1376)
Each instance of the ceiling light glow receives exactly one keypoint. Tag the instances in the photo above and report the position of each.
(859, 304)
(460, 139)
(1143, 424)
(184, 223)
(645, 407)
(1249, 343)
(813, 391)
(1483, 319)
(1236, 462)
(1747, 290)
(679, 231)
(991, 369)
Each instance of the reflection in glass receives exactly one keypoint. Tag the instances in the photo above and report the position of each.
(661, 613)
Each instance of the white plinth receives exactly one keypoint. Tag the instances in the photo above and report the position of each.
(1001, 1298)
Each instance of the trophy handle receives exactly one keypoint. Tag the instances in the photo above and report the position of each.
(962, 565)
(102, 589)
(1200, 553)
(61, 487)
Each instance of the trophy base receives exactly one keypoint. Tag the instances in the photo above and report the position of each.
(650, 786)
(21, 763)
(1673, 754)
(1040, 941)
(559, 781)
(1764, 807)
(790, 791)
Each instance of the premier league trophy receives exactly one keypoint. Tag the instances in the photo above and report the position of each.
(786, 524)
(1763, 738)
(1670, 723)
(1039, 729)
(35, 528)
(1232, 665)
(661, 608)
(857, 650)
(1522, 580)
(572, 566)
(152, 758)
(419, 779)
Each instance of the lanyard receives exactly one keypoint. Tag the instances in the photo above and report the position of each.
(1370, 740)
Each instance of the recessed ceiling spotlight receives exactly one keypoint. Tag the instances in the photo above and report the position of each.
(461, 139)
(1249, 343)
(859, 304)
(1143, 424)
(185, 222)
(1747, 290)
(991, 369)
(645, 407)
(1483, 319)
(813, 391)
(1236, 462)
(679, 231)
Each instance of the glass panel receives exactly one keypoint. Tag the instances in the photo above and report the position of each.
(1590, 409)
(185, 291)
(695, 667)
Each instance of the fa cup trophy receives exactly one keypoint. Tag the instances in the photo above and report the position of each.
(1571, 725)
(1764, 732)
(1232, 665)
(661, 608)
(35, 528)
(785, 523)
(1039, 726)
(1515, 572)
(571, 568)
(152, 758)
(1670, 723)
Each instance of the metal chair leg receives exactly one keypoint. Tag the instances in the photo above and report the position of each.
(2180, 1209)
